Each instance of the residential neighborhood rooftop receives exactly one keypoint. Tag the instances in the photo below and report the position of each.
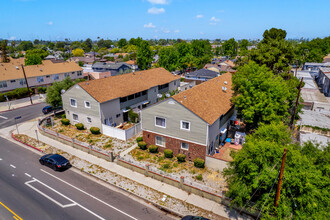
(13, 70)
(205, 73)
(208, 100)
(113, 87)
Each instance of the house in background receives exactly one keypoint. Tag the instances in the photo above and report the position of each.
(193, 122)
(200, 76)
(323, 80)
(12, 77)
(106, 102)
(114, 68)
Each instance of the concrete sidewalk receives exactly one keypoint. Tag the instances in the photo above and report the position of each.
(19, 103)
(29, 129)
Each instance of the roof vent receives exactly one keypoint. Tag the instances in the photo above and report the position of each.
(184, 97)
(224, 88)
(17, 67)
(225, 82)
(40, 69)
(87, 83)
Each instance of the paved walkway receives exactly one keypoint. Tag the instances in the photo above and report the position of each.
(30, 127)
(5, 106)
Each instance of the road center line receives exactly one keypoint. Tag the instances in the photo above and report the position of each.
(3, 117)
(89, 195)
(28, 174)
(15, 215)
(12, 166)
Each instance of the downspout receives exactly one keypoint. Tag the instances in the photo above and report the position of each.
(100, 117)
(207, 137)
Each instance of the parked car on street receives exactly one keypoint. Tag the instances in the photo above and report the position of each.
(190, 217)
(47, 109)
(55, 161)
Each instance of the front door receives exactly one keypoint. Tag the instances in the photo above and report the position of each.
(125, 115)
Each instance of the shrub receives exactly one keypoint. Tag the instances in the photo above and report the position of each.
(139, 139)
(133, 116)
(199, 177)
(95, 130)
(166, 166)
(199, 162)
(181, 157)
(80, 126)
(142, 145)
(63, 116)
(168, 153)
(65, 121)
(42, 90)
(153, 149)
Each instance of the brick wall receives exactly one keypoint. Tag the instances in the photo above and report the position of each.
(194, 151)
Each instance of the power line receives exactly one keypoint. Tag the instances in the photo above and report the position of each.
(268, 195)
(291, 195)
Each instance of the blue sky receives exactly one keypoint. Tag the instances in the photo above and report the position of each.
(187, 19)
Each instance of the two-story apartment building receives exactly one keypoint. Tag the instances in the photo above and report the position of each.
(107, 101)
(114, 68)
(193, 122)
(201, 75)
(12, 77)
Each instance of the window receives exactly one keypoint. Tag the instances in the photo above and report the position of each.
(12, 81)
(40, 79)
(73, 102)
(56, 76)
(75, 117)
(123, 99)
(160, 122)
(72, 73)
(89, 120)
(79, 73)
(137, 95)
(163, 86)
(184, 146)
(175, 83)
(185, 125)
(130, 97)
(66, 74)
(118, 115)
(47, 76)
(144, 92)
(87, 104)
(3, 84)
(160, 141)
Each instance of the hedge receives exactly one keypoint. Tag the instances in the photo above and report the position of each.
(168, 153)
(199, 162)
(139, 139)
(15, 94)
(181, 157)
(65, 121)
(80, 126)
(95, 130)
(142, 145)
(42, 90)
(153, 149)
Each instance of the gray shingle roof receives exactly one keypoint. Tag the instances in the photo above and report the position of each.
(109, 66)
(203, 73)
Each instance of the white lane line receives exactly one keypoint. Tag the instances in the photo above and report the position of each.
(28, 174)
(89, 195)
(12, 166)
(3, 117)
(0, 158)
(73, 203)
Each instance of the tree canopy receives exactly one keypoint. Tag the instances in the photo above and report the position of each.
(25, 45)
(168, 58)
(229, 48)
(144, 55)
(35, 56)
(122, 43)
(78, 52)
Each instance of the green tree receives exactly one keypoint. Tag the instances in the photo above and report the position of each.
(78, 52)
(32, 59)
(59, 45)
(229, 48)
(36, 42)
(135, 42)
(25, 45)
(144, 55)
(51, 45)
(4, 51)
(168, 58)
(254, 170)
(243, 44)
(201, 50)
(88, 44)
(104, 43)
(260, 96)
(75, 45)
(122, 43)
(40, 52)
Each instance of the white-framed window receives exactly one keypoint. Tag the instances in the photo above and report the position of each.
(185, 125)
(56, 76)
(184, 146)
(75, 117)
(12, 81)
(40, 79)
(66, 74)
(3, 84)
(118, 115)
(79, 73)
(73, 102)
(160, 122)
(160, 141)
(87, 104)
(89, 120)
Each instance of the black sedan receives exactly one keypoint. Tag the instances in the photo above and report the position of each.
(55, 161)
(190, 217)
(47, 109)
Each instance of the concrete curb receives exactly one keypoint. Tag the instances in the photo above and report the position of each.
(162, 208)
(20, 107)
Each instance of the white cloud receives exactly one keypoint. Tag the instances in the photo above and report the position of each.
(214, 19)
(154, 10)
(12, 38)
(199, 16)
(158, 2)
(213, 23)
(166, 31)
(50, 23)
(202, 33)
(176, 31)
(150, 25)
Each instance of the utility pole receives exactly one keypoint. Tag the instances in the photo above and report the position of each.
(27, 84)
(297, 100)
(296, 68)
(278, 191)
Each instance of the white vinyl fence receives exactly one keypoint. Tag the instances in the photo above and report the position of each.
(120, 133)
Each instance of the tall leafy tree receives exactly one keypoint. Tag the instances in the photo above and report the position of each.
(201, 50)
(260, 96)
(243, 44)
(168, 58)
(35, 56)
(122, 43)
(229, 48)
(78, 52)
(88, 44)
(25, 45)
(4, 51)
(144, 55)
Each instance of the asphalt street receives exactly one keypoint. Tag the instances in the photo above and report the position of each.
(27, 113)
(32, 191)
